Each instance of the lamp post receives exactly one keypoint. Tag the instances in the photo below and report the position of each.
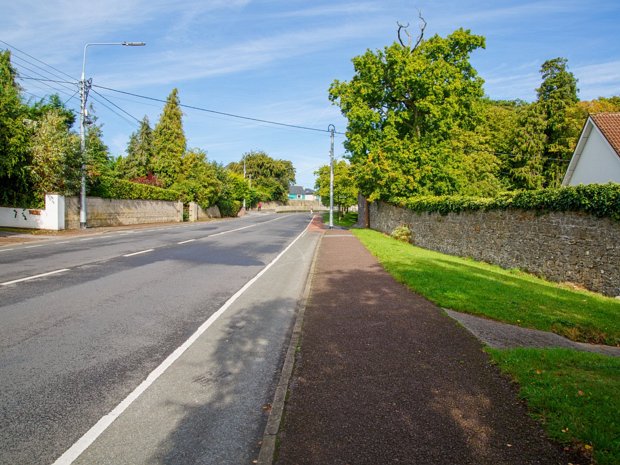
(331, 128)
(84, 88)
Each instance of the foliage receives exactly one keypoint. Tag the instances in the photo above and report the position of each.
(138, 162)
(601, 200)
(270, 177)
(14, 138)
(573, 394)
(412, 116)
(402, 233)
(504, 295)
(347, 220)
(55, 152)
(96, 157)
(345, 190)
(111, 188)
(197, 179)
(557, 96)
(169, 141)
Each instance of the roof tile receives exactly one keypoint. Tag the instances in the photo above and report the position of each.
(609, 125)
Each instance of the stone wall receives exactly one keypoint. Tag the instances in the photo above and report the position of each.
(563, 247)
(113, 212)
(197, 213)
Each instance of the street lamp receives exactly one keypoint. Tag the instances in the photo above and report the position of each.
(331, 128)
(84, 87)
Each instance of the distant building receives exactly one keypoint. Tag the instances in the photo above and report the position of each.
(299, 193)
(296, 193)
(596, 159)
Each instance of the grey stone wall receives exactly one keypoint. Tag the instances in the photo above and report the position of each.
(112, 212)
(563, 247)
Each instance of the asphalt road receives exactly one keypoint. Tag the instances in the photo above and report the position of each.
(86, 323)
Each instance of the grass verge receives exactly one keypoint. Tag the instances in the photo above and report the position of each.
(576, 396)
(487, 290)
(346, 221)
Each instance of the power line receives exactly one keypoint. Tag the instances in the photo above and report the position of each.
(115, 105)
(231, 115)
(40, 61)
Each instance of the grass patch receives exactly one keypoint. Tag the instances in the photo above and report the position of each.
(487, 290)
(576, 396)
(346, 221)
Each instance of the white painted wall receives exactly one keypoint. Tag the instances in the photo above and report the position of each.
(52, 217)
(598, 164)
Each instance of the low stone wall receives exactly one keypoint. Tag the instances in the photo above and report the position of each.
(197, 213)
(113, 212)
(564, 247)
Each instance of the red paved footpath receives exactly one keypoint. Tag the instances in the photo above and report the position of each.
(385, 377)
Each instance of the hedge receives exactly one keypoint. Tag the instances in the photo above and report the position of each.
(601, 200)
(110, 188)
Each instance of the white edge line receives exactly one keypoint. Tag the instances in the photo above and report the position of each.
(6, 250)
(138, 253)
(34, 277)
(185, 242)
(92, 434)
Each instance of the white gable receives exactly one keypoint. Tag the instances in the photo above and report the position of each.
(594, 160)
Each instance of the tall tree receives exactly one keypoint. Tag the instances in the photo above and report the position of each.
(408, 109)
(345, 190)
(138, 162)
(14, 137)
(270, 177)
(169, 141)
(97, 156)
(557, 97)
(55, 156)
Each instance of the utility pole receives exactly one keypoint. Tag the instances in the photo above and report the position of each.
(244, 180)
(331, 128)
(84, 88)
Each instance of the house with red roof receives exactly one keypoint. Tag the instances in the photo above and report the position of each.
(596, 159)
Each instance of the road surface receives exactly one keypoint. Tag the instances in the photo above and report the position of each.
(86, 324)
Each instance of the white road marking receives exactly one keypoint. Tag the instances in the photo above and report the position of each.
(138, 253)
(6, 250)
(230, 230)
(33, 246)
(92, 434)
(185, 242)
(33, 277)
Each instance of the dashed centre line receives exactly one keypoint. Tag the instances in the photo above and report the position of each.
(33, 277)
(138, 253)
(185, 242)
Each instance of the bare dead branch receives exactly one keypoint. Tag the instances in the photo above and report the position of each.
(404, 27)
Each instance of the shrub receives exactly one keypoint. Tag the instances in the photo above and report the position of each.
(110, 188)
(402, 233)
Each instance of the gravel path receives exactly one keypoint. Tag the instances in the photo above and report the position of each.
(505, 336)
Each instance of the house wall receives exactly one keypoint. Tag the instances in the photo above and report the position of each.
(598, 164)
(564, 247)
(114, 212)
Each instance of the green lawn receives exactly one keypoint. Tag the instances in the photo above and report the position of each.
(348, 220)
(510, 296)
(576, 396)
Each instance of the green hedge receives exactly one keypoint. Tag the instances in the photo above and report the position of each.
(110, 188)
(602, 200)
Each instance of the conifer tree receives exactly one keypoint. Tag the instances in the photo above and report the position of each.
(169, 141)
(138, 162)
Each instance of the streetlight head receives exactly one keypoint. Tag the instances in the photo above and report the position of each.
(134, 44)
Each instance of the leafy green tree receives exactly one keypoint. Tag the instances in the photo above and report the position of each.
(169, 141)
(408, 109)
(345, 190)
(14, 138)
(198, 181)
(138, 162)
(55, 156)
(270, 177)
(52, 103)
(97, 156)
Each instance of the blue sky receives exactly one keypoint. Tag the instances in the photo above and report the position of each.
(275, 59)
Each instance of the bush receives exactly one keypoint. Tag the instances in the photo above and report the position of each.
(602, 200)
(110, 188)
(402, 233)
